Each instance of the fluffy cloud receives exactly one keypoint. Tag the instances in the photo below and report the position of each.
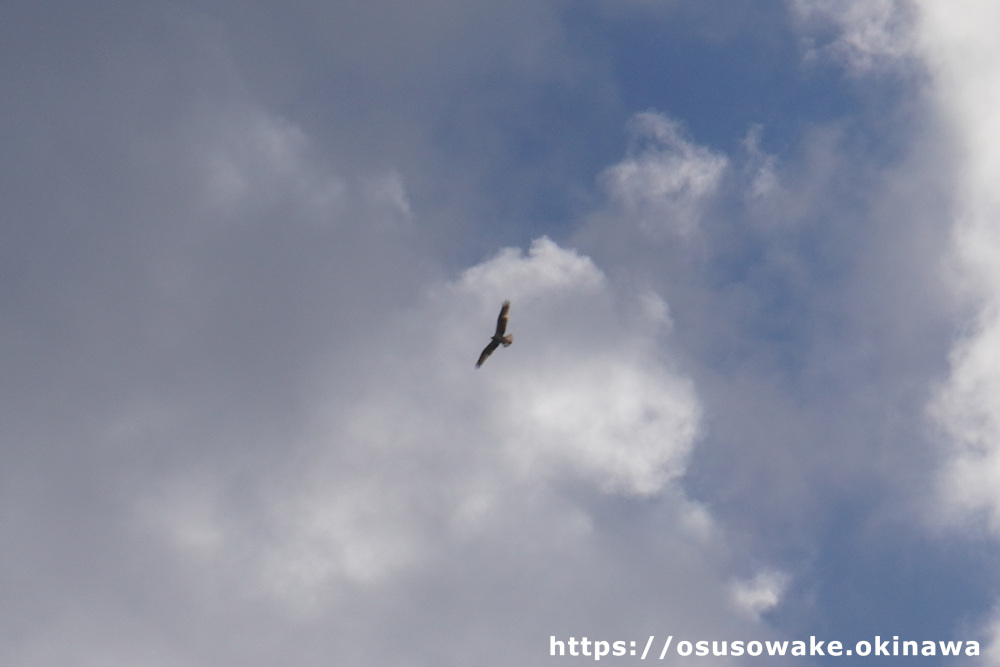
(958, 49)
(431, 448)
(662, 185)
(247, 303)
(760, 594)
(868, 35)
(962, 56)
(422, 468)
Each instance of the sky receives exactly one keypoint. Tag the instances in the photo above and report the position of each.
(250, 252)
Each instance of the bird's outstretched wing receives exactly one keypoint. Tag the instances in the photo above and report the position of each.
(498, 338)
(502, 319)
(487, 351)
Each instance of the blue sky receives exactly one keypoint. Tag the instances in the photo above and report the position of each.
(249, 255)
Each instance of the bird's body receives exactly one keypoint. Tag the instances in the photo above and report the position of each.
(498, 338)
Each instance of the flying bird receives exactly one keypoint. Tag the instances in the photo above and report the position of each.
(498, 337)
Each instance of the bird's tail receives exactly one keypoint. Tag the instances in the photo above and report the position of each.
(507, 340)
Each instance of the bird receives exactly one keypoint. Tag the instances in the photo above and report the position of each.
(498, 338)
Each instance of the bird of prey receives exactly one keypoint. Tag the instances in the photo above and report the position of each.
(498, 337)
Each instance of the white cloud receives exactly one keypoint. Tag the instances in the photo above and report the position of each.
(761, 167)
(332, 476)
(425, 471)
(969, 409)
(959, 47)
(760, 594)
(433, 449)
(662, 186)
(990, 632)
(870, 35)
(961, 53)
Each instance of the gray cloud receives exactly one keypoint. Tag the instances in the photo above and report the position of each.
(244, 287)
(243, 423)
